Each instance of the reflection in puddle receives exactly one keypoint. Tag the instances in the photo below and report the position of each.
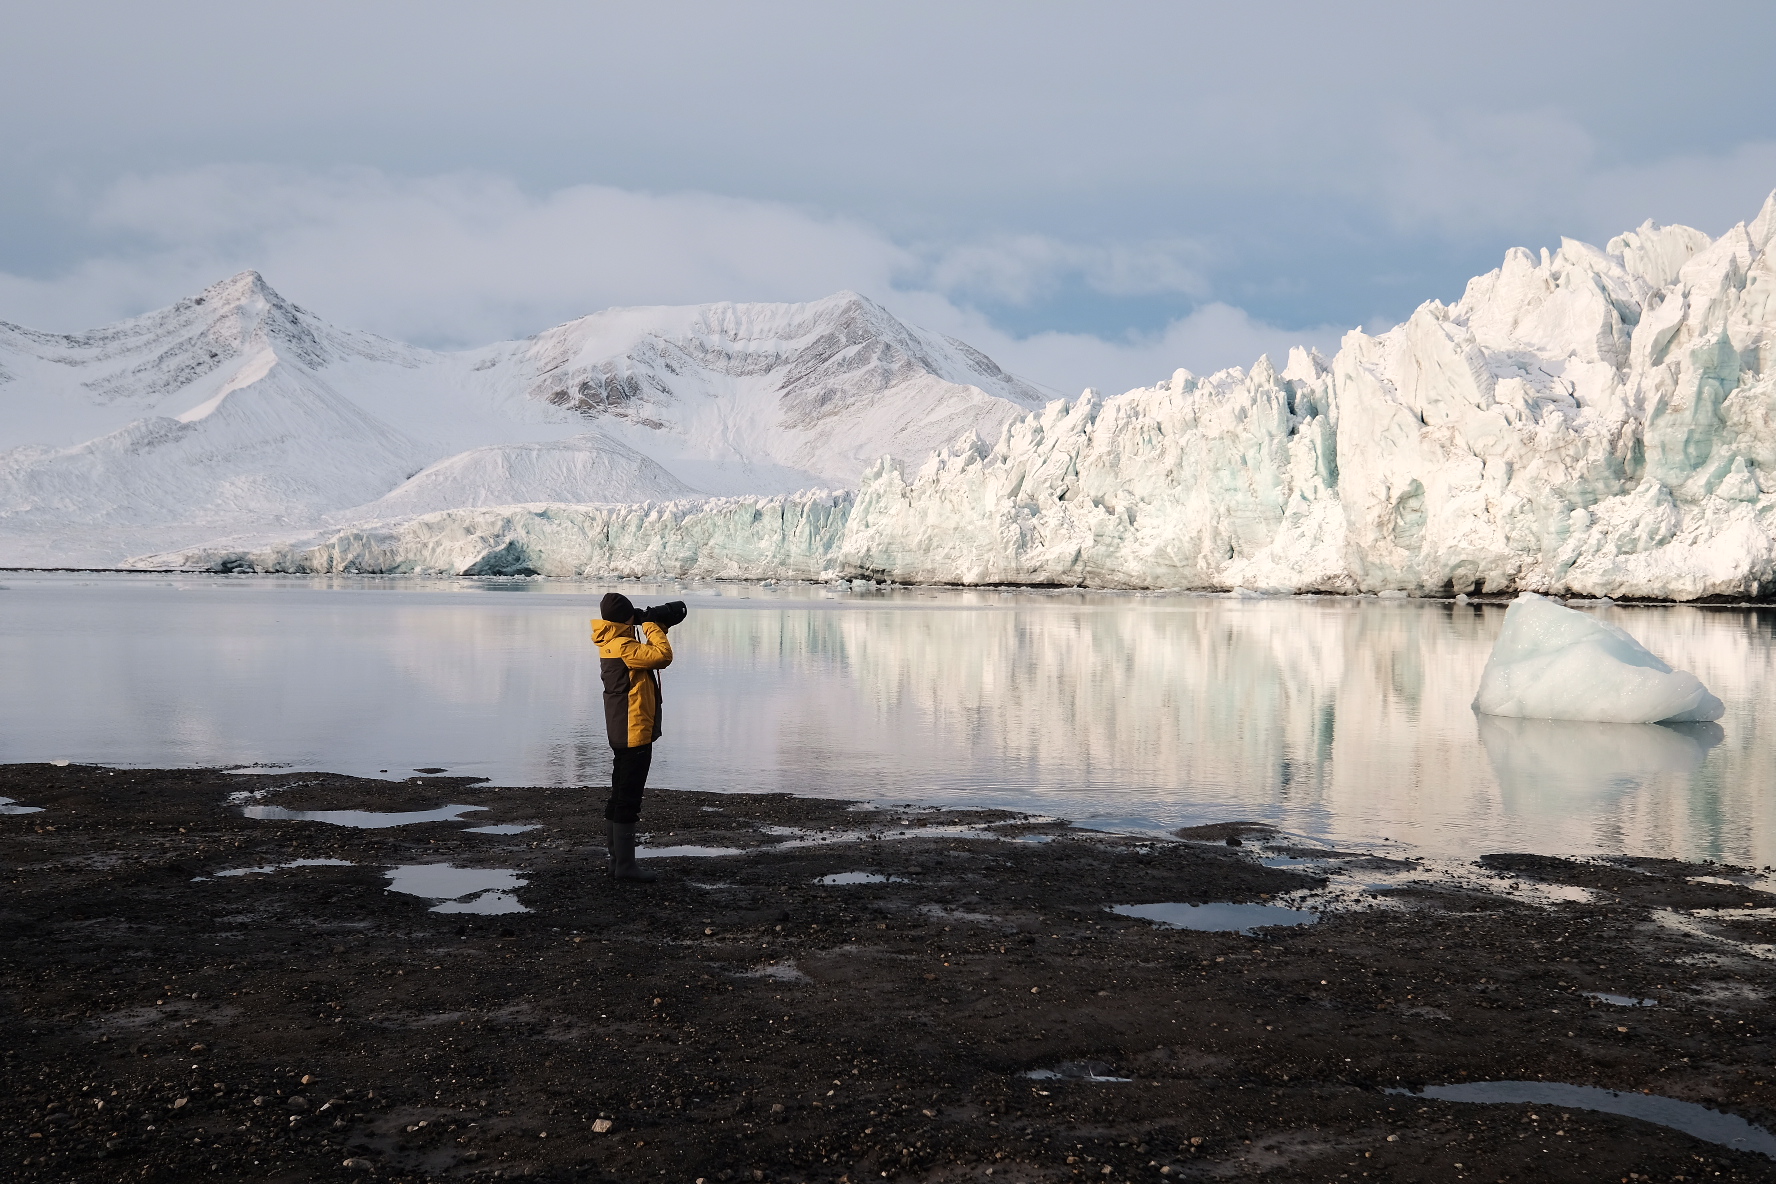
(1729, 1130)
(362, 819)
(858, 878)
(1076, 1071)
(1217, 918)
(459, 889)
(689, 849)
(504, 828)
(272, 867)
(8, 806)
(1621, 1000)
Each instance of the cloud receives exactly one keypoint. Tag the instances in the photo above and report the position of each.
(1020, 269)
(1213, 337)
(1526, 172)
(467, 258)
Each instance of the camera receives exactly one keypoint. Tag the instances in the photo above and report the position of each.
(664, 615)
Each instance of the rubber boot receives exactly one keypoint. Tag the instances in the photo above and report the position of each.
(623, 865)
(610, 844)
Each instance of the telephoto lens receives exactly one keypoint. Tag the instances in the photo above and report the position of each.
(665, 615)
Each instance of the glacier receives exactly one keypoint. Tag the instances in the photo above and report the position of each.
(1589, 421)
(1553, 662)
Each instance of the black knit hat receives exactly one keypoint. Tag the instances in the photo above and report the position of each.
(616, 607)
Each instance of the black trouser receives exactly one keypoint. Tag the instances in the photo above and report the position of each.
(629, 777)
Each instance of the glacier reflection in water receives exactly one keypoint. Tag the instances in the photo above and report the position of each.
(1343, 719)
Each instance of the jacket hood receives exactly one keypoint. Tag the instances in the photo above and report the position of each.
(603, 631)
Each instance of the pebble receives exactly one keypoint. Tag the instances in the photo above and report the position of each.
(298, 1103)
(601, 1126)
(356, 1162)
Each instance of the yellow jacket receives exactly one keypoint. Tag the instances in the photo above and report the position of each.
(631, 688)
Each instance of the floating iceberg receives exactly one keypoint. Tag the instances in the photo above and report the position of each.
(1556, 663)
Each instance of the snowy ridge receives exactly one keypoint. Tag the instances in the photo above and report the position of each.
(238, 413)
(583, 468)
(1589, 421)
(733, 397)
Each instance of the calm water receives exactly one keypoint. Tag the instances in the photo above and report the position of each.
(1340, 719)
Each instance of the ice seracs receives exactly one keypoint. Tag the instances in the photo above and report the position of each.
(1552, 662)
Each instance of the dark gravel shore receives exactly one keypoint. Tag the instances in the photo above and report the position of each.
(738, 1020)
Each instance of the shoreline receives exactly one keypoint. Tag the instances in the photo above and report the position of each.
(1492, 599)
(740, 1020)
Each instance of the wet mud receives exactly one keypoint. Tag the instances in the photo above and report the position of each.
(977, 1013)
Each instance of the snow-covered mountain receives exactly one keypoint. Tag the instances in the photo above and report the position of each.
(238, 413)
(1588, 421)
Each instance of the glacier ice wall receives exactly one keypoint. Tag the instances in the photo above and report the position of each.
(791, 536)
(1589, 421)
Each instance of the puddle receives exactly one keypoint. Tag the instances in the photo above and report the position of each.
(362, 819)
(272, 867)
(1621, 1000)
(504, 828)
(1713, 1126)
(673, 852)
(484, 890)
(8, 806)
(1296, 860)
(858, 878)
(1077, 1071)
(487, 904)
(1217, 918)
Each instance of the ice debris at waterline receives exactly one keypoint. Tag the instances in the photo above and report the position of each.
(1552, 662)
(1592, 421)
(1713, 1126)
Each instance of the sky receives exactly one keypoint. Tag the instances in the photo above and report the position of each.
(1095, 194)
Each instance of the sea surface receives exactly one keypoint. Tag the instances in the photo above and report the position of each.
(1338, 719)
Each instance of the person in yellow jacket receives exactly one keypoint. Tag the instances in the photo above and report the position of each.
(629, 667)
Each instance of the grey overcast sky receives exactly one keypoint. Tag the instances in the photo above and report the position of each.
(1095, 193)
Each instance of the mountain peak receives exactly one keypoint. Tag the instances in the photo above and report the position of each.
(241, 288)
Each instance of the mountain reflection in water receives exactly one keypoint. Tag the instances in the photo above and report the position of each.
(1337, 718)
